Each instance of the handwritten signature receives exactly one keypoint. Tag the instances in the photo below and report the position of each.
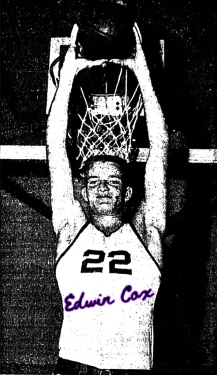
(79, 304)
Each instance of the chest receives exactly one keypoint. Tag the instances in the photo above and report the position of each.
(95, 260)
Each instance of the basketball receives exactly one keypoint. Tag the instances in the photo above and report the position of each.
(106, 30)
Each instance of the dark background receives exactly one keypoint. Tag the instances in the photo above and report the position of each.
(186, 308)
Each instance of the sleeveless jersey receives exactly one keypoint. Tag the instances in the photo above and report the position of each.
(108, 286)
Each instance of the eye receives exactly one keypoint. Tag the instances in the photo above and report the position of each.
(93, 183)
(114, 182)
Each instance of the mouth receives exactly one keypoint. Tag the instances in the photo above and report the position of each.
(103, 198)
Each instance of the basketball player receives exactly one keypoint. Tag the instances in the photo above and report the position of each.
(108, 270)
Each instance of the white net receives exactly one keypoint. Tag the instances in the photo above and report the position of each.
(108, 124)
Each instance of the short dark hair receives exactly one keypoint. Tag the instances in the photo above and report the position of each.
(122, 164)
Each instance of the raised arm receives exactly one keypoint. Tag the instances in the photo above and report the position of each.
(155, 172)
(150, 218)
(64, 206)
(67, 214)
(153, 209)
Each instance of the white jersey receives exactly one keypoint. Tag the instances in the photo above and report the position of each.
(108, 285)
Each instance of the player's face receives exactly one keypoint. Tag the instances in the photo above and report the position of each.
(104, 190)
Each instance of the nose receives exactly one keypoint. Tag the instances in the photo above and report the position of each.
(103, 186)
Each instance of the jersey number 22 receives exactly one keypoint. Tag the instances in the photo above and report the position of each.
(112, 263)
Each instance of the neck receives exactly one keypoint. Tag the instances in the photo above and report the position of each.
(107, 223)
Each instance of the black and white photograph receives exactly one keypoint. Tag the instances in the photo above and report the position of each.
(108, 249)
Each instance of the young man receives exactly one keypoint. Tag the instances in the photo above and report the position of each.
(108, 270)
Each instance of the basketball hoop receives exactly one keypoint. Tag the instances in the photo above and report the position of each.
(108, 123)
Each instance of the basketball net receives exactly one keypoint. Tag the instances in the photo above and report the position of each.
(108, 124)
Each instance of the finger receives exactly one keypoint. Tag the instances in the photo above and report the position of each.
(138, 31)
(117, 61)
(73, 36)
(89, 63)
(56, 72)
(127, 63)
(83, 63)
(138, 42)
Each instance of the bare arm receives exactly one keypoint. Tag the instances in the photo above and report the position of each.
(155, 172)
(64, 207)
(150, 219)
(153, 209)
(67, 214)
(154, 206)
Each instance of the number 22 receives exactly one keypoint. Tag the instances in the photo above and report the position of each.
(112, 263)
